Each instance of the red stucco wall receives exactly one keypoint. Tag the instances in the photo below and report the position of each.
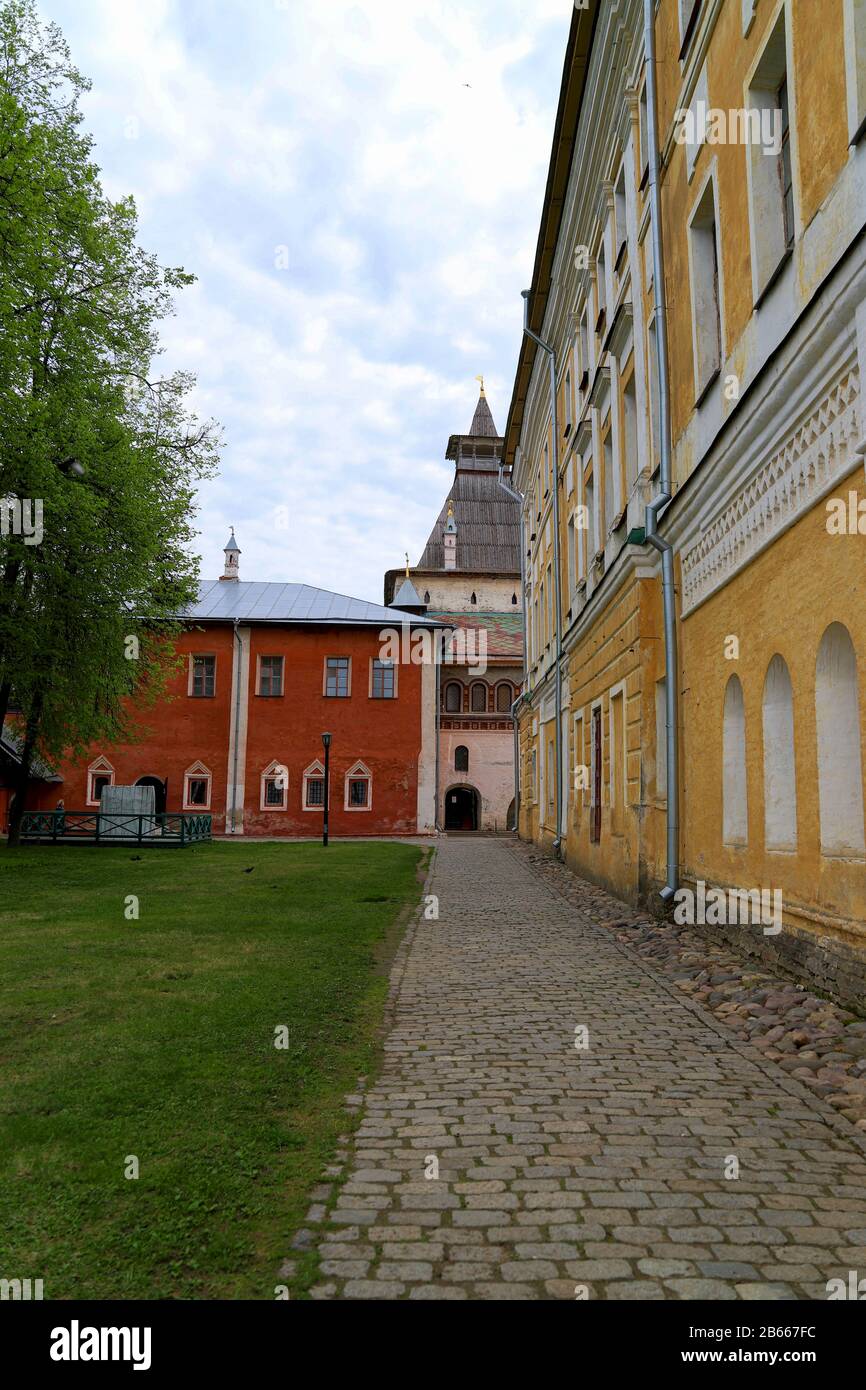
(384, 734)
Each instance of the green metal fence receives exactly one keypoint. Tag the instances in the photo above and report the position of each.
(112, 828)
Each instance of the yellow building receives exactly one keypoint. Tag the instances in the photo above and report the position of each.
(736, 378)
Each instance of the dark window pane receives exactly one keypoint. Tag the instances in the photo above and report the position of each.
(315, 791)
(203, 675)
(461, 759)
(358, 791)
(383, 680)
(453, 698)
(479, 699)
(337, 677)
(197, 791)
(273, 792)
(271, 675)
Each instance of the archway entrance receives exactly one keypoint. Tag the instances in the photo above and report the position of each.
(461, 808)
(509, 817)
(160, 790)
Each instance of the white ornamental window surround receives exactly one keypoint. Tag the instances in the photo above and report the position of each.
(358, 788)
(313, 798)
(99, 774)
(274, 787)
(197, 782)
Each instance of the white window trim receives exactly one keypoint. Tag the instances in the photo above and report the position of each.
(763, 277)
(595, 705)
(274, 771)
(270, 656)
(395, 667)
(612, 694)
(703, 378)
(577, 737)
(356, 773)
(336, 656)
(199, 773)
(100, 768)
(193, 657)
(316, 769)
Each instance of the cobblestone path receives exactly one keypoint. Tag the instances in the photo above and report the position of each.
(559, 1168)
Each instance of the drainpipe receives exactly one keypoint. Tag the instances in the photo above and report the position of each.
(518, 497)
(240, 659)
(551, 358)
(663, 496)
(438, 640)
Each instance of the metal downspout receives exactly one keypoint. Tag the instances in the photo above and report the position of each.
(663, 496)
(240, 657)
(518, 497)
(551, 358)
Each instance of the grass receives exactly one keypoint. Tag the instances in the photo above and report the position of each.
(156, 1038)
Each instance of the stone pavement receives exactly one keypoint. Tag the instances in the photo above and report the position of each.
(569, 1172)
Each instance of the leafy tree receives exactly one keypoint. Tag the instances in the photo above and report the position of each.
(89, 430)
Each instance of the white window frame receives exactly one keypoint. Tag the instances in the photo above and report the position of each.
(100, 768)
(769, 252)
(336, 656)
(357, 773)
(274, 771)
(197, 656)
(707, 358)
(315, 771)
(270, 656)
(197, 773)
(395, 668)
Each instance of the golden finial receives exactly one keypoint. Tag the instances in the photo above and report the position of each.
(450, 509)
(406, 553)
(481, 379)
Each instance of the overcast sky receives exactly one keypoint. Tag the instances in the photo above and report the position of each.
(361, 222)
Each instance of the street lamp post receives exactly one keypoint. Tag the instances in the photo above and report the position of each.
(326, 740)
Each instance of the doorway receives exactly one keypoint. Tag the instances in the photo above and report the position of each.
(160, 791)
(461, 809)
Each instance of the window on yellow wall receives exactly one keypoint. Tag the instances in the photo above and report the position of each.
(617, 762)
(704, 262)
(629, 434)
(772, 192)
(855, 66)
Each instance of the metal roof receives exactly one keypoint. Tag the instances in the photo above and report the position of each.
(241, 600)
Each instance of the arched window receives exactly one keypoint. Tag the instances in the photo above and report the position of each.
(514, 598)
(840, 774)
(426, 595)
(461, 759)
(479, 698)
(735, 814)
(504, 698)
(473, 599)
(780, 780)
(453, 697)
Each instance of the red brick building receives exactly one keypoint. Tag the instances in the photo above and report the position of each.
(267, 669)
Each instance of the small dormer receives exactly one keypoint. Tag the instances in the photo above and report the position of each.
(232, 552)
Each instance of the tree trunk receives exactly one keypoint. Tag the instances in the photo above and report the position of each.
(5, 692)
(16, 810)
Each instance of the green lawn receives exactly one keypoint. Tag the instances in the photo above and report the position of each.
(155, 1038)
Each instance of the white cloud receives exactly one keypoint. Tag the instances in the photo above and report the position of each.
(407, 207)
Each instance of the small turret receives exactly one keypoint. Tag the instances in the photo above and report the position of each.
(449, 539)
(232, 552)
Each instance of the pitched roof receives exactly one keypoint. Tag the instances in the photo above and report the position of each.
(488, 527)
(259, 602)
(504, 630)
(482, 420)
(407, 596)
(10, 745)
